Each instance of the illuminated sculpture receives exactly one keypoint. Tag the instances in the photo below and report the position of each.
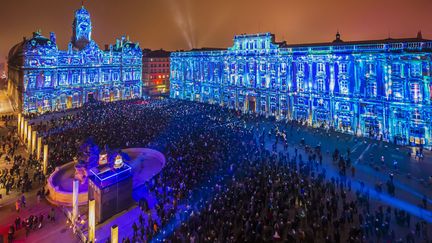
(118, 162)
(44, 78)
(380, 89)
(88, 157)
(103, 158)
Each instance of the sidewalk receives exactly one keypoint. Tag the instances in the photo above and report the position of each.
(50, 231)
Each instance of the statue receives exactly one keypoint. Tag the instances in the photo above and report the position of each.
(88, 157)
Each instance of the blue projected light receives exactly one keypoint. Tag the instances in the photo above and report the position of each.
(379, 89)
(50, 79)
(105, 176)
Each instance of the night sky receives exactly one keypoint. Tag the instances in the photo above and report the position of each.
(183, 24)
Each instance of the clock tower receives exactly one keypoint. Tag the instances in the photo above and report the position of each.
(82, 28)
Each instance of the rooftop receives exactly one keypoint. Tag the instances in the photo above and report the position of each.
(336, 42)
(156, 53)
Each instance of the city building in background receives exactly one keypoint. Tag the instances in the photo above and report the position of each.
(378, 88)
(156, 71)
(44, 78)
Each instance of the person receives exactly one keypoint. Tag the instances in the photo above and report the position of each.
(135, 229)
(38, 196)
(17, 223)
(248, 192)
(23, 201)
(41, 217)
(17, 205)
(11, 233)
(52, 215)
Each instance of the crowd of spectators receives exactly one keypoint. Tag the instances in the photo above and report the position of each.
(223, 182)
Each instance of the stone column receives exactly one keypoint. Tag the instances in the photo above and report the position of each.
(29, 134)
(33, 145)
(114, 234)
(39, 148)
(75, 200)
(45, 159)
(21, 134)
(25, 131)
(19, 123)
(91, 221)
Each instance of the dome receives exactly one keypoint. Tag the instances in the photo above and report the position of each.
(37, 45)
(15, 56)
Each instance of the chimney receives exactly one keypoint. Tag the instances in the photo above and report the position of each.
(106, 47)
(419, 35)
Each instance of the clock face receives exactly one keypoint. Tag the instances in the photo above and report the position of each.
(83, 29)
(83, 26)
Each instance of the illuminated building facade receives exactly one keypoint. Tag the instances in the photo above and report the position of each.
(380, 89)
(156, 70)
(44, 78)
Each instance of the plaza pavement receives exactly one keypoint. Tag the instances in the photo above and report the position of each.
(51, 231)
(410, 178)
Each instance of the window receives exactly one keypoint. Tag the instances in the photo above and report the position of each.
(371, 88)
(343, 87)
(91, 78)
(416, 70)
(370, 68)
(300, 84)
(320, 85)
(75, 78)
(300, 67)
(321, 67)
(32, 82)
(115, 76)
(106, 77)
(47, 82)
(63, 79)
(415, 92)
(416, 115)
(343, 68)
(395, 69)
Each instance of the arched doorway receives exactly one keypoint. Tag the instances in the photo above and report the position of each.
(69, 102)
(111, 96)
(251, 104)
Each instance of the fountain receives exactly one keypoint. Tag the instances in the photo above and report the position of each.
(145, 163)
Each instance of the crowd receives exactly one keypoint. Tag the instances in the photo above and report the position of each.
(23, 171)
(229, 177)
(30, 223)
(19, 174)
